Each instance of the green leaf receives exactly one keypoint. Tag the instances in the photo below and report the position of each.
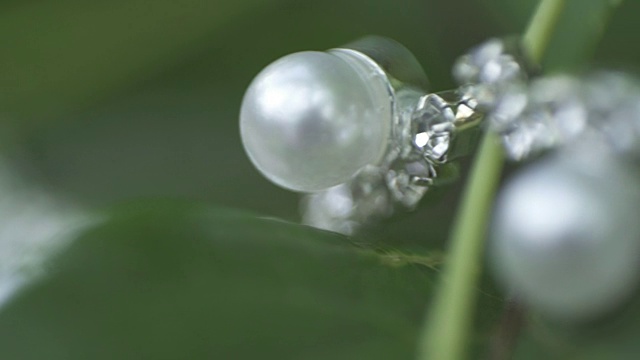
(167, 281)
(62, 55)
(614, 336)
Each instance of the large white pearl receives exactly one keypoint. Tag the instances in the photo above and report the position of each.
(567, 239)
(311, 120)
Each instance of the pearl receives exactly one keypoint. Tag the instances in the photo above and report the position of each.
(566, 238)
(312, 120)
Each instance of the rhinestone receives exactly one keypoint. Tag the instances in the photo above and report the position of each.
(469, 67)
(432, 124)
(500, 70)
(488, 63)
(508, 108)
(549, 114)
(409, 181)
(532, 134)
(323, 208)
(346, 207)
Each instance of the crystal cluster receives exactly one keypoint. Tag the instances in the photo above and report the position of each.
(432, 126)
(562, 109)
(403, 142)
(494, 75)
(438, 128)
(548, 112)
(490, 71)
(564, 235)
(565, 231)
(552, 114)
(429, 132)
(346, 207)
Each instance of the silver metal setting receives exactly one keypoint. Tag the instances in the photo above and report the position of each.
(429, 132)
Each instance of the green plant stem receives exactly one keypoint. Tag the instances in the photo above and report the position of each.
(446, 331)
(536, 38)
(448, 320)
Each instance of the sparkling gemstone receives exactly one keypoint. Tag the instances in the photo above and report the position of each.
(549, 114)
(432, 124)
(330, 210)
(469, 67)
(528, 136)
(500, 70)
(508, 108)
(494, 83)
(347, 207)
(408, 181)
(489, 63)
(559, 95)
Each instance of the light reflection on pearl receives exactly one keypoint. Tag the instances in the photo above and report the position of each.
(312, 120)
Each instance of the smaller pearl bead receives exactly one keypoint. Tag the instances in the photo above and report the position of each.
(312, 120)
(568, 241)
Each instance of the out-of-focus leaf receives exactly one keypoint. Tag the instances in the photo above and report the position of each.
(61, 55)
(615, 336)
(186, 282)
(513, 15)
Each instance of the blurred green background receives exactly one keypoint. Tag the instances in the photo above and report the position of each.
(122, 99)
(139, 98)
(110, 101)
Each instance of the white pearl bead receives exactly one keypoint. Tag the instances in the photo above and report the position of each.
(311, 120)
(567, 239)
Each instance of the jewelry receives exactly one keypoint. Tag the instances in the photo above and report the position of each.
(556, 110)
(355, 129)
(565, 235)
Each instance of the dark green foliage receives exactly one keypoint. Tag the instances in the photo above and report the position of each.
(109, 101)
(167, 281)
